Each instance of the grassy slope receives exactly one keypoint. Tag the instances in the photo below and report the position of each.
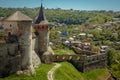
(62, 51)
(65, 72)
(68, 72)
(41, 74)
(98, 74)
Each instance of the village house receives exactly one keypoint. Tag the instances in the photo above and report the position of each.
(81, 35)
(103, 49)
(115, 34)
(116, 19)
(63, 39)
(90, 36)
(98, 28)
(86, 46)
(67, 43)
(82, 45)
(76, 43)
(107, 26)
(76, 30)
(71, 39)
(118, 43)
(57, 25)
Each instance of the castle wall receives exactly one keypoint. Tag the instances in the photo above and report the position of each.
(10, 27)
(35, 44)
(24, 58)
(35, 58)
(10, 59)
(43, 41)
(88, 63)
(83, 63)
(25, 41)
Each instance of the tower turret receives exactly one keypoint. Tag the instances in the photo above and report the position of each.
(24, 34)
(42, 28)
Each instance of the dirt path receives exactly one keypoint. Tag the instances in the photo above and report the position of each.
(108, 78)
(51, 72)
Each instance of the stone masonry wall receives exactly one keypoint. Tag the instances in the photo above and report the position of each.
(90, 62)
(10, 59)
(83, 63)
(43, 41)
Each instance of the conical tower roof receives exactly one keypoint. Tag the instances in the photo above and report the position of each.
(41, 19)
(18, 16)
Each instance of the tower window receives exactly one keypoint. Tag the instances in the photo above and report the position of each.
(46, 27)
(42, 27)
(38, 27)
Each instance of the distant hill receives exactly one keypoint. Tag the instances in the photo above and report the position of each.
(65, 16)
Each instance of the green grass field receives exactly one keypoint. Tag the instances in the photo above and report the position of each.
(41, 74)
(68, 72)
(65, 72)
(62, 51)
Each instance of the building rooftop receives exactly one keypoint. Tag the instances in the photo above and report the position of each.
(18, 16)
(41, 19)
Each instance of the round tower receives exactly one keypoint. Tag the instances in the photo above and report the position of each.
(24, 34)
(42, 28)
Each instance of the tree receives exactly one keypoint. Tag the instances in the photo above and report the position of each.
(95, 49)
(110, 54)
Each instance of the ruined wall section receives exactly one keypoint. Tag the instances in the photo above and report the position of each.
(88, 63)
(10, 59)
(83, 63)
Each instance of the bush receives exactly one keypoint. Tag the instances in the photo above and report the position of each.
(116, 70)
(110, 54)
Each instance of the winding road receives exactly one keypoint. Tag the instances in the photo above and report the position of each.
(51, 72)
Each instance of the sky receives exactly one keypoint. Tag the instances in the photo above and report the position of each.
(65, 4)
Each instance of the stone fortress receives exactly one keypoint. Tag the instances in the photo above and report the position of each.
(21, 50)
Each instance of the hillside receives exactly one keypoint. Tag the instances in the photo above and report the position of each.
(65, 72)
(41, 74)
(68, 72)
(65, 16)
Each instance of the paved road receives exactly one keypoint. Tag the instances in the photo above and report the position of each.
(51, 72)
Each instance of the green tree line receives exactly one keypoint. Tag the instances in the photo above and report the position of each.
(64, 16)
